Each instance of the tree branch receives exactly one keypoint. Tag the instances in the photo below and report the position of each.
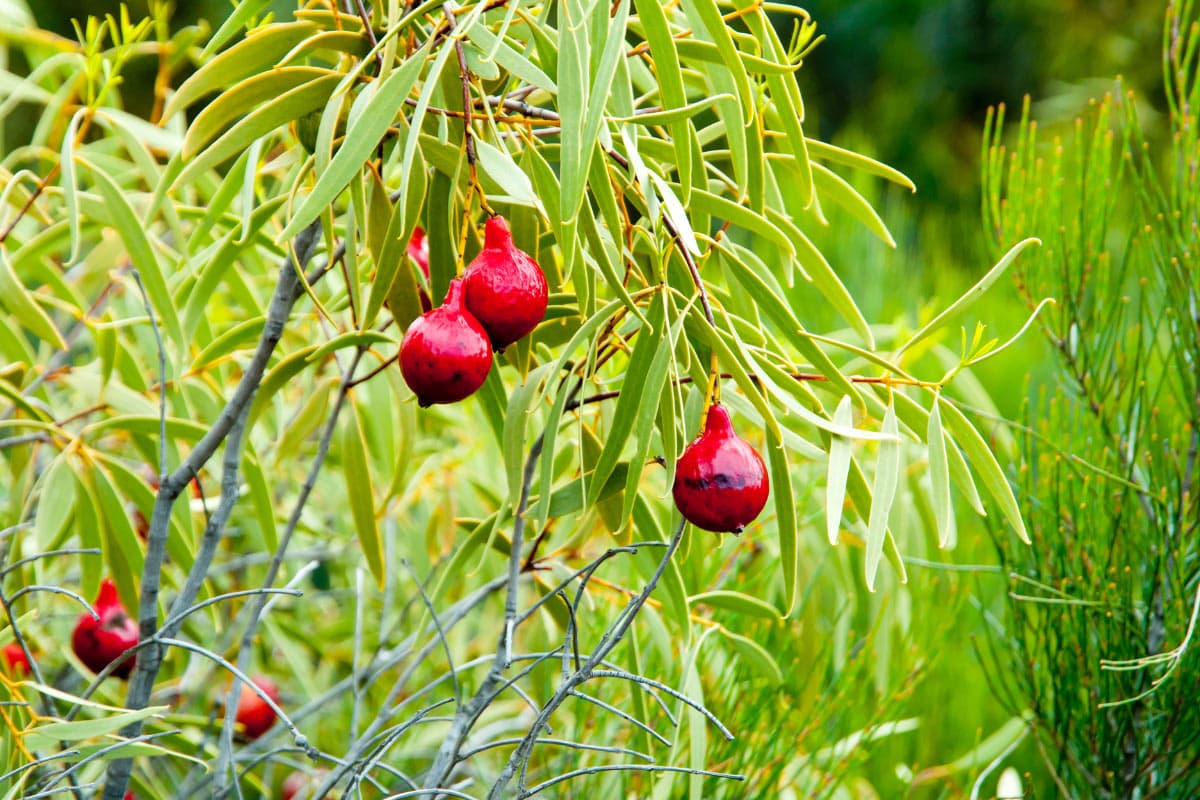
(287, 291)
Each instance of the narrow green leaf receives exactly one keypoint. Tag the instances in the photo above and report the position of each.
(241, 99)
(785, 517)
(260, 50)
(359, 494)
(883, 493)
(287, 368)
(133, 234)
(572, 97)
(986, 466)
(510, 59)
(242, 13)
(48, 736)
(261, 500)
(244, 334)
(395, 277)
(290, 105)
(20, 303)
(655, 383)
(830, 184)
(668, 116)
(69, 183)
(648, 342)
(710, 16)
(57, 503)
(567, 500)
(516, 418)
(743, 217)
(740, 602)
(351, 339)
(500, 167)
(939, 476)
(361, 138)
(969, 297)
(755, 656)
(849, 158)
(123, 550)
(839, 471)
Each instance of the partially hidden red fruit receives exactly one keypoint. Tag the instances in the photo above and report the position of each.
(301, 785)
(99, 642)
(254, 714)
(16, 661)
(445, 355)
(721, 482)
(418, 251)
(506, 289)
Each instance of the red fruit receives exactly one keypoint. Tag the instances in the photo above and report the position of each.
(254, 714)
(99, 642)
(506, 290)
(16, 660)
(445, 355)
(720, 480)
(301, 785)
(418, 251)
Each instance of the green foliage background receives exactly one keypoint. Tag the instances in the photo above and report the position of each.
(908, 83)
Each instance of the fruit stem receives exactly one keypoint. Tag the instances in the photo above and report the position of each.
(464, 76)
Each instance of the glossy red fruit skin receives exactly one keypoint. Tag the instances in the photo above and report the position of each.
(100, 642)
(506, 289)
(721, 483)
(445, 354)
(254, 714)
(16, 661)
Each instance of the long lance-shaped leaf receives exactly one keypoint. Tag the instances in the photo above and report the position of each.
(357, 471)
(20, 303)
(839, 471)
(969, 297)
(281, 110)
(838, 155)
(137, 242)
(883, 493)
(785, 516)
(573, 88)
(243, 97)
(831, 185)
(361, 138)
(670, 82)
(986, 466)
(939, 476)
(259, 51)
(650, 340)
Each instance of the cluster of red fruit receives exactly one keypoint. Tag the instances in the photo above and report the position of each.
(721, 482)
(446, 353)
(100, 640)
